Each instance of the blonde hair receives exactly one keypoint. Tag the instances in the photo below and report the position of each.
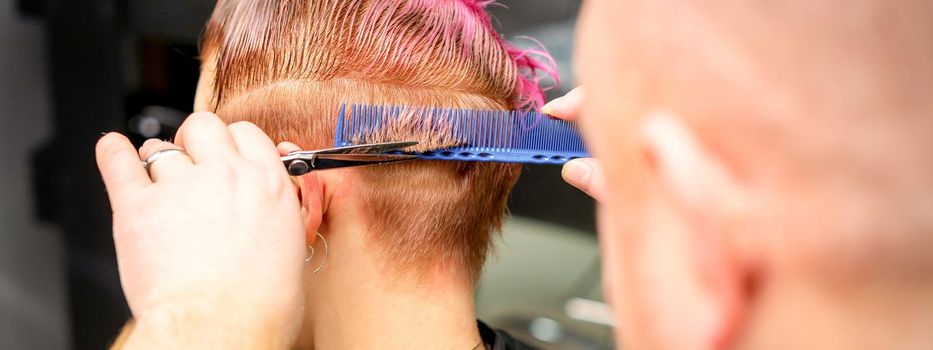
(288, 65)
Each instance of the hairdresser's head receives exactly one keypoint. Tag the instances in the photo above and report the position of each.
(288, 65)
(770, 170)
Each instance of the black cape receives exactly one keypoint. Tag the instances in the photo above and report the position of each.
(495, 339)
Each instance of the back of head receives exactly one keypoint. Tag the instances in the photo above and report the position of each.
(289, 65)
(818, 115)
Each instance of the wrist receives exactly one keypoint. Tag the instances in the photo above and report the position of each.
(196, 323)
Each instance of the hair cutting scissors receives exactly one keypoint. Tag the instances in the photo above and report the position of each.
(302, 162)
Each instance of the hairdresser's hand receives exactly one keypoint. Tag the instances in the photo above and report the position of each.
(585, 174)
(210, 248)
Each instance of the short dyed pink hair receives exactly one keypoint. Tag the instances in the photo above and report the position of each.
(288, 65)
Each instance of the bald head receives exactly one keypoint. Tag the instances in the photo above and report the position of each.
(788, 140)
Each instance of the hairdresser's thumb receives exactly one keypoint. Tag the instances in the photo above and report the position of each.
(585, 174)
(286, 147)
(566, 107)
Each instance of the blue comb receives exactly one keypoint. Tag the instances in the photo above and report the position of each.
(478, 135)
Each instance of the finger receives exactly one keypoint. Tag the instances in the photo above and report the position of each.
(287, 147)
(167, 166)
(566, 107)
(205, 137)
(147, 145)
(254, 144)
(586, 174)
(119, 166)
(146, 149)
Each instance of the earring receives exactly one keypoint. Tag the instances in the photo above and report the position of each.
(319, 268)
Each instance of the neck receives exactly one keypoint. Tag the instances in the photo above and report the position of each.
(879, 315)
(358, 301)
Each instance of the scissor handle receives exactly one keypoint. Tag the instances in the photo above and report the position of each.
(305, 163)
(302, 162)
(297, 167)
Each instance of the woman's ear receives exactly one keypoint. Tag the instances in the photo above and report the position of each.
(312, 204)
(704, 202)
(311, 194)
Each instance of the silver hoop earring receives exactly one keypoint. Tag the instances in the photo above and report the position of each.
(320, 267)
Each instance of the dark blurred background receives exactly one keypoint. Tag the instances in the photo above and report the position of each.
(72, 69)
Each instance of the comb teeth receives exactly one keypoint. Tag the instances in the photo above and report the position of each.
(476, 135)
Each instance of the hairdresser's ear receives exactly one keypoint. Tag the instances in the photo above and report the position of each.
(706, 302)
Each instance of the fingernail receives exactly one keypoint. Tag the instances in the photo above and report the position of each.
(548, 108)
(578, 172)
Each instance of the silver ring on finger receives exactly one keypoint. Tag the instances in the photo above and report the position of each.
(165, 153)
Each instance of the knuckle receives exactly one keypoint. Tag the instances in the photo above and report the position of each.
(200, 120)
(223, 169)
(260, 176)
(277, 183)
(226, 172)
(254, 171)
(110, 143)
(205, 116)
(243, 125)
(244, 128)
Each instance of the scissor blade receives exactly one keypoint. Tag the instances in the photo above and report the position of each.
(334, 161)
(368, 148)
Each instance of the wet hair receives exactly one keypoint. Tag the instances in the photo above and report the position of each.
(288, 65)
